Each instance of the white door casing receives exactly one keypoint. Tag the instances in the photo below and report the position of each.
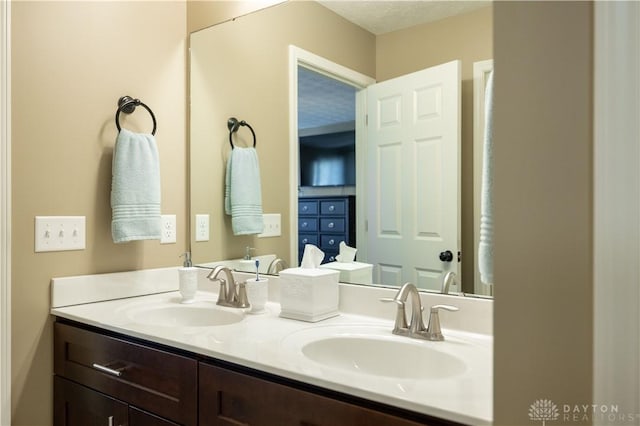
(413, 184)
(5, 213)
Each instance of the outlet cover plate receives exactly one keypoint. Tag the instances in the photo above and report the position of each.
(202, 227)
(168, 235)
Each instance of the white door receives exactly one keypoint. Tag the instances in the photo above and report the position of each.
(413, 176)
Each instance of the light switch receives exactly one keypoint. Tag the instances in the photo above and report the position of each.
(271, 225)
(60, 233)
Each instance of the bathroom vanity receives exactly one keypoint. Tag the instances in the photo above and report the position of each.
(149, 360)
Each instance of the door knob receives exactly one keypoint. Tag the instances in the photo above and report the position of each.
(446, 256)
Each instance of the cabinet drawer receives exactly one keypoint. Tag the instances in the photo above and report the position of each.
(336, 207)
(331, 242)
(232, 398)
(149, 378)
(307, 207)
(307, 224)
(332, 224)
(307, 239)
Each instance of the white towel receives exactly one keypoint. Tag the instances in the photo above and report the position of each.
(135, 188)
(243, 195)
(485, 247)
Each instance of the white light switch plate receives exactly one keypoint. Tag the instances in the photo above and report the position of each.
(60, 233)
(202, 227)
(272, 226)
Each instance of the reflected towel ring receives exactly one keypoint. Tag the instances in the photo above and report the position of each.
(127, 105)
(233, 125)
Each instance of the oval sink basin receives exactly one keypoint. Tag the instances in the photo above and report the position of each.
(201, 315)
(391, 358)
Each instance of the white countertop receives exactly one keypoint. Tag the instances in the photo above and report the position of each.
(272, 344)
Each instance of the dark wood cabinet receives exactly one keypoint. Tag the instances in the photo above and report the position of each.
(233, 398)
(147, 378)
(157, 387)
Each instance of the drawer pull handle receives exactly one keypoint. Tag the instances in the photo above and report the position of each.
(332, 242)
(304, 224)
(107, 370)
(305, 208)
(305, 240)
(331, 225)
(332, 208)
(110, 419)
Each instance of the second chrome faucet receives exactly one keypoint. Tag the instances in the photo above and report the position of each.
(231, 294)
(415, 328)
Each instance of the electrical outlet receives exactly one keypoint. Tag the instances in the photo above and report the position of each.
(202, 227)
(168, 235)
(60, 233)
(272, 227)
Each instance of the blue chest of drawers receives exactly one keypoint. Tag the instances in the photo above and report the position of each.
(325, 222)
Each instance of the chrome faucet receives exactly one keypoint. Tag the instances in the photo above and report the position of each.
(415, 328)
(446, 281)
(276, 266)
(231, 294)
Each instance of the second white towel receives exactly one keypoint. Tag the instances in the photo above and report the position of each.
(243, 194)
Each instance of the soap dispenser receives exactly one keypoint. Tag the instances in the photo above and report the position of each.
(188, 279)
(246, 264)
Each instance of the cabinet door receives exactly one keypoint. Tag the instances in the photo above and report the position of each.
(76, 405)
(230, 398)
(142, 418)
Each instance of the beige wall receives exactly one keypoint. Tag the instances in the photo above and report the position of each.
(543, 213)
(469, 38)
(71, 61)
(240, 69)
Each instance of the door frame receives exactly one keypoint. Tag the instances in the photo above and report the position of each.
(5, 212)
(298, 56)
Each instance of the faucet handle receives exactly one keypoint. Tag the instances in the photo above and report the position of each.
(391, 300)
(243, 300)
(449, 308)
(434, 331)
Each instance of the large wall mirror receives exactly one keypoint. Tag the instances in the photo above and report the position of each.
(243, 68)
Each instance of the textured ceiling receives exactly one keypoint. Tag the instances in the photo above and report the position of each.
(383, 16)
(326, 105)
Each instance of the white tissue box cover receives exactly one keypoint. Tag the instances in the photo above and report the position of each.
(308, 294)
(352, 272)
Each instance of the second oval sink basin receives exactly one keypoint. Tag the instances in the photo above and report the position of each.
(382, 357)
(201, 315)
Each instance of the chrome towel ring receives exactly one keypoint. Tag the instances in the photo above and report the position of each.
(127, 105)
(233, 125)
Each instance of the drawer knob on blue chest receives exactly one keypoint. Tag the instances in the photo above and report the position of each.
(331, 225)
(332, 208)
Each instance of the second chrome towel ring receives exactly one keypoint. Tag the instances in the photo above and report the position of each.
(233, 125)
(127, 105)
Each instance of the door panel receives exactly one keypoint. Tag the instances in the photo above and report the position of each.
(413, 176)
